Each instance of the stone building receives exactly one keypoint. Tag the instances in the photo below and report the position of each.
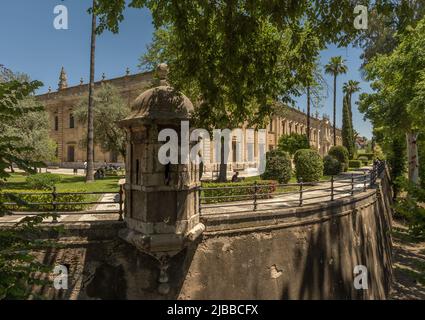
(68, 133)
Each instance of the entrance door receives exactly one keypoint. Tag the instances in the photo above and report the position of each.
(71, 153)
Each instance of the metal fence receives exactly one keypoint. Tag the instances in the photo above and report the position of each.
(21, 207)
(288, 195)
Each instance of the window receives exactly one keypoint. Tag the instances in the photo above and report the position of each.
(56, 123)
(271, 125)
(71, 121)
(71, 153)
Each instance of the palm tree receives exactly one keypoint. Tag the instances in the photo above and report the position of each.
(90, 127)
(349, 88)
(335, 67)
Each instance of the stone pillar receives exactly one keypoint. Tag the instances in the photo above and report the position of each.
(161, 199)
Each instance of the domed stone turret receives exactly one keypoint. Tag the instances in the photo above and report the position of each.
(162, 102)
(161, 200)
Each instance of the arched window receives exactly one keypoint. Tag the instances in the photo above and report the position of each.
(71, 121)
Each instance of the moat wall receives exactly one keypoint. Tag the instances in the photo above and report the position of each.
(303, 253)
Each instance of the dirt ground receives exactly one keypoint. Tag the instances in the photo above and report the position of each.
(408, 265)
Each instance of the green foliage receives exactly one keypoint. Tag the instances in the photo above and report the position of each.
(355, 164)
(293, 142)
(308, 165)
(278, 166)
(110, 108)
(43, 181)
(341, 154)
(240, 56)
(18, 266)
(364, 160)
(243, 191)
(25, 197)
(331, 166)
(11, 150)
(411, 207)
(368, 155)
(348, 132)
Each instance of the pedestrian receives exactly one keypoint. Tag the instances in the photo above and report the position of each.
(75, 171)
(85, 167)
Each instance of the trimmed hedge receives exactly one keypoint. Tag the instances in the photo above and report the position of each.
(278, 166)
(369, 155)
(266, 188)
(341, 154)
(308, 165)
(355, 164)
(43, 181)
(39, 197)
(331, 166)
(364, 160)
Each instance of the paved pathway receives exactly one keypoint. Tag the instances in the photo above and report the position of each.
(311, 195)
(277, 202)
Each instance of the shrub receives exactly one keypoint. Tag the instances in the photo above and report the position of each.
(278, 166)
(243, 191)
(42, 181)
(293, 142)
(331, 166)
(355, 164)
(364, 160)
(368, 155)
(341, 154)
(410, 207)
(308, 165)
(42, 197)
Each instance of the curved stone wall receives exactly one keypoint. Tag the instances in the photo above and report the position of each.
(302, 253)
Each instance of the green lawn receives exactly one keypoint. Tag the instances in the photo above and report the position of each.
(69, 183)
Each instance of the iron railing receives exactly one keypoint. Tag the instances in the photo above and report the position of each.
(20, 207)
(288, 195)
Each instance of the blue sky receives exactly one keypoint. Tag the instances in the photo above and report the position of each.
(32, 45)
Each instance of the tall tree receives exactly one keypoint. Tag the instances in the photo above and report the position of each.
(396, 106)
(314, 88)
(90, 112)
(335, 67)
(348, 132)
(110, 108)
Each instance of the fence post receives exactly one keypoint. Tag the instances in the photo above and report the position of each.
(332, 188)
(55, 206)
(121, 200)
(364, 181)
(255, 195)
(301, 192)
(199, 200)
(352, 184)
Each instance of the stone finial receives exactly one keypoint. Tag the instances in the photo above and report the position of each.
(103, 76)
(162, 71)
(127, 71)
(81, 81)
(49, 90)
(63, 82)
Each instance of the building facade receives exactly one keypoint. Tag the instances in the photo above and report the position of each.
(68, 133)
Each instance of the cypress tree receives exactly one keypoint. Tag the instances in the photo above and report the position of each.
(347, 128)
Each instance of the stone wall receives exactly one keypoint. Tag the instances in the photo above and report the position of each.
(302, 253)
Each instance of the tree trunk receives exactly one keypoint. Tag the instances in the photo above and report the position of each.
(11, 169)
(222, 177)
(334, 110)
(308, 114)
(412, 157)
(90, 129)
